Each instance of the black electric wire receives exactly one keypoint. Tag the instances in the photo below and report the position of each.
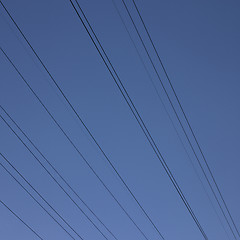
(9, 163)
(185, 116)
(149, 139)
(74, 146)
(179, 120)
(71, 106)
(95, 141)
(169, 116)
(57, 172)
(172, 120)
(138, 118)
(54, 179)
(20, 219)
(205, 175)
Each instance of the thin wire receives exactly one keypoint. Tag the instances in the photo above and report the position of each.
(163, 162)
(20, 219)
(42, 71)
(57, 172)
(140, 121)
(169, 116)
(9, 163)
(99, 147)
(188, 123)
(180, 120)
(75, 147)
(54, 179)
(71, 106)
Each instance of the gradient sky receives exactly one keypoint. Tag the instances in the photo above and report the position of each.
(198, 42)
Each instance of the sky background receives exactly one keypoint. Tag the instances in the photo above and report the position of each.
(198, 42)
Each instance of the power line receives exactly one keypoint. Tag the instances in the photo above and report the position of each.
(20, 219)
(54, 179)
(138, 118)
(176, 113)
(9, 163)
(74, 146)
(157, 152)
(75, 112)
(179, 118)
(169, 116)
(185, 116)
(57, 172)
(95, 141)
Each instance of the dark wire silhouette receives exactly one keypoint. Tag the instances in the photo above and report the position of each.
(175, 112)
(29, 184)
(169, 116)
(74, 146)
(20, 219)
(184, 200)
(75, 112)
(185, 116)
(57, 172)
(137, 117)
(54, 179)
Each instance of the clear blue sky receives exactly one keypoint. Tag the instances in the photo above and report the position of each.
(199, 45)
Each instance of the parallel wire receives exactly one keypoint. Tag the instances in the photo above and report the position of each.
(20, 219)
(180, 121)
(54, 179)
(74, 146)
(95, 141)
(71, 106)
(185, 116)
(151, 141)
(138, 118)
(205, 175)
(169, 116)
(57, 172)
(9, 163)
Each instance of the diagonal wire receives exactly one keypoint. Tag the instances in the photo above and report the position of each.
(170, 118)
(195, 154)
(20, 219)
(157, 153)
(74, 146)
(9, 163)
(188, 123)
(138, 118)
(54, 179)
(57, 172)
(71, 106)
(215, 196)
